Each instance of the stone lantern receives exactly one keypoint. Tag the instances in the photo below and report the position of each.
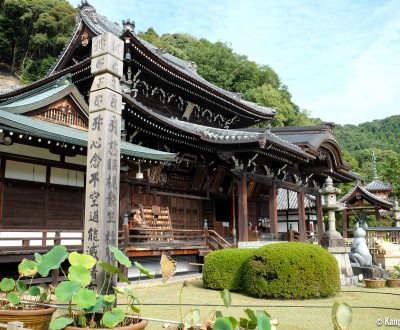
(332, 240)
(331, 236)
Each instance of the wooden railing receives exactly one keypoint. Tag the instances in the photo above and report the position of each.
(30, 239)
(20, 242)
(211, 238)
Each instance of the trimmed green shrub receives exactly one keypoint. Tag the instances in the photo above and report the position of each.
(291, 271)
(223, 269)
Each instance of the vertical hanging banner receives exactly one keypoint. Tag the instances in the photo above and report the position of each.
(103, 155)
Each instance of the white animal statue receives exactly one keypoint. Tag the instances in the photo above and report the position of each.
(360, 254)
(386, 247)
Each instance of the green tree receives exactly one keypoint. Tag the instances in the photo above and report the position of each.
(32, 34)
(220, 65)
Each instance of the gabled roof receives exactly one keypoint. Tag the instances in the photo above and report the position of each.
(358, 193)
(47, 94)
(71, 136)
(100, 24)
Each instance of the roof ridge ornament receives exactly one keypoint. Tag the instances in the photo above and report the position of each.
(84, 3)
(128, 25)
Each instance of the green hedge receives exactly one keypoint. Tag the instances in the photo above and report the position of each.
(223, 269)
(291, 271)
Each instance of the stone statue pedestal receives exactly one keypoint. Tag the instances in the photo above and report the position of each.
(334, 243)
(368, 272)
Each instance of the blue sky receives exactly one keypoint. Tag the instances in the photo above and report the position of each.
(339, 58)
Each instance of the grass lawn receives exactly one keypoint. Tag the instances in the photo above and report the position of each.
(162, 302)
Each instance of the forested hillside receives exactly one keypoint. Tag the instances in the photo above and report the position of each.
(379, 137)
(33, 32)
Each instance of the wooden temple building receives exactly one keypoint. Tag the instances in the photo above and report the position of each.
(188, 151)
(371, 199)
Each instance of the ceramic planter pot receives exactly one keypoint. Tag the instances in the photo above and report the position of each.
(137, 326)
(375, 283)
(393, 282)
(32, 318)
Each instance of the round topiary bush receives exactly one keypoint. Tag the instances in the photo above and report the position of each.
(291, 271)
(223, 269)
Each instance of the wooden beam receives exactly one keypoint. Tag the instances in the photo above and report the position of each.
(268, 181)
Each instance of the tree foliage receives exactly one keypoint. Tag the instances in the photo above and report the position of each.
(32, 34)
(379, 137)
(220, 65)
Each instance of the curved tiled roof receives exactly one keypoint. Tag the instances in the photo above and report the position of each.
(100, 24)
(378, 185)
(224, 135)
(69, 135)
(187, 68)
(221, 134)
(366, 193)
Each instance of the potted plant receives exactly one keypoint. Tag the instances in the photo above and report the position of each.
(95, 308)
(374, 283)
(393, 280)
(22, 300)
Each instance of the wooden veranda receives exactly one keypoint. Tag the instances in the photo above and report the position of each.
(16, 244)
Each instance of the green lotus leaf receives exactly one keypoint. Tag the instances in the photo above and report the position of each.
(66, 289)
(222, 324)
(52, 259)
(342, 315)
(226, 297)
(34, 291)
(84, 298)
(38, 257)
(109, 298)
(7, 284)
(27, 268)
(112, 318)
(108, 268)
(251, 322)
(128, 293)
(78, 259)
(191, 318)
(120, 257)
(43, 297)
(263, 320)
(60, 323)
(100, 304)
(13, 298)
(21, 286)
(79, 274)
(134, 308)
(122, 278)
(144, 270)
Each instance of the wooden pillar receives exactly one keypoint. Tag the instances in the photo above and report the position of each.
(243, 211)
(320, 218)
(377, 214)
(273, 209)
(302, 215)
